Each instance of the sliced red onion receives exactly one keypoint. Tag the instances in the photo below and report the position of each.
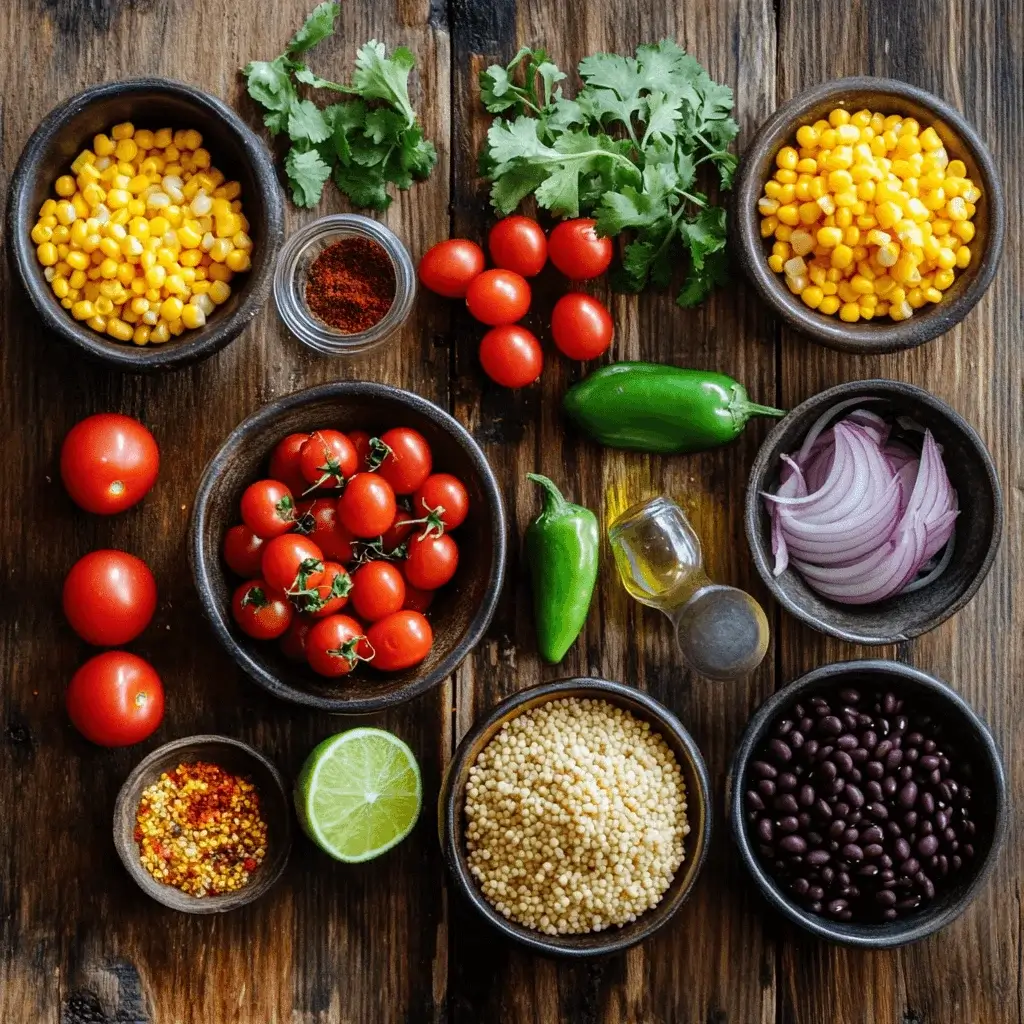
(940, 567)
(823, 420)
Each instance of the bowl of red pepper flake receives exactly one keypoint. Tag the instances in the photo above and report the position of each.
(203, 824)
(344, 284)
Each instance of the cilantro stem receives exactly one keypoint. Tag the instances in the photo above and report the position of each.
(696, 200)
(712, 152)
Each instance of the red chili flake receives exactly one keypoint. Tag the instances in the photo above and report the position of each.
(351, 285)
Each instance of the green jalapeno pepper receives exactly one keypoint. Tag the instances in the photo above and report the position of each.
(561, 550)
(651, 407)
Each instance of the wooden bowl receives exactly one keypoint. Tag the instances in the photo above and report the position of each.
(233, 756)
(988, 785)
(961, 141)
(695, 775)
(149, 103)
(977, 534)
(461, 612)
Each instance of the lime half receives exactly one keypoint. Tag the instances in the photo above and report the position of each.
(358, 794)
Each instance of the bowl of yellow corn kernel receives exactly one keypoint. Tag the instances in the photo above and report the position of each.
(145, 219)
(869, 214)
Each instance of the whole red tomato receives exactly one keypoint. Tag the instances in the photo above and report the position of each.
(285, 465)
(511, 356)
(243, 551)
(327, 459)
(292, 563)
(378, 589)
(408, 461)
(108, 462)
(498, 297)
(445, 496)
(401, 527)
(328, 533)
(332, 591)
(367, 506)
(260, 611)
(399, 641)
(109, 597)
(361, 442)
(448, 267)
(268, 508)
(581, 326)
(115, 699)
(431, 561)
(417, 600)
(293, 640)
(518, 243)
(577, 251)
(332, 646)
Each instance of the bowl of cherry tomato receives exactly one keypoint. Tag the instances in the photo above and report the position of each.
(348, 545)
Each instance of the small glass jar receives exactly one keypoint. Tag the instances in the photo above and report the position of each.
(290, 277)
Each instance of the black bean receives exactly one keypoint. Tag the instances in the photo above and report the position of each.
(766, 787)
(925, 828)
(927, 802)
(798, 710)
(783, 726)
(949, 834)
(786, 803)
(874, 770)
(793, 844)
(928, 845)
(885, 860)
(854, 797)
(941, 820)
(877, 810)
(827, 770)
(780, 749)
(886, 897)
(843, 761)
(944, 765)
(827, 875)
(889, 785)
(915, 739)
(910, 755)
(849, 696)
(929, 746)
(967, 850)
(799, 886)
(814, 838)
(946, 790)
(943, 865)
(910, 904)
(851, 851)
(854, 816)
(851, 835)
(837, 907)
(806, 795)
(893, 759)
(822, 809)
(765, 830)
(810, 748)
(788, 824)
(786, 781)
(892, 829)
(837, 828)
(873, 850)
(847, 742)
(928, 886)
(890, 914)
(817, 858)
(874, 791)
(850, 719)
(900, 724)
(841, 808)
(882, 750)
(902, 849)
(764, 770)
(867, 870)
(907, 795)
(872, 834)
(803, 821)
(910, 867)
(887, 875)
(910, 819)
(889, 704)
(929, 762)
(859, 756)
(869, 739)
(955, 862)
(905, 773)
(935, 777)
(831, 726)
(806, 725)
(835, 787)
(754, 801)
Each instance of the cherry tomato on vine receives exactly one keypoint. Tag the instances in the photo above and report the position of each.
(498, 297)
(577, 251)
(518, 243)
(115, 699)
(400, 640)
(581, 326)
(243, 551)
(431, 561)
(367, 506)
(511, 356)
(408, 462)
(332, 645)
(361, 442)
(293, 639)
(327, 459)
(268, 508)
(378, 589)
(444, 494)
(448, 267)
(262, 613)
(292, 562)
(285, 463)
(417, 600)
(332, 591)
(108, 462)
(109, 597)
(328, 533)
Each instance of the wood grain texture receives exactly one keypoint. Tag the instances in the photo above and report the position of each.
(382, 942)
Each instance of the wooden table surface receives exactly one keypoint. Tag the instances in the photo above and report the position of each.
(385, 941)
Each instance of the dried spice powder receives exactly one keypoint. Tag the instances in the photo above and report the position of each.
(351, 285)
(199, 829)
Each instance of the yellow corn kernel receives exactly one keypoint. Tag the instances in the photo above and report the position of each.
(807, 165)
(126, 274)
(219, 291)
(963, 257)
(108, 268)
(830, 288)
(839, 159)
(775, 262)
(65, 185)
(956, 169)
(47, 254)
(964, 230)
(124, 130)
(861, 285)
(812, 296)
(844, 217)
(219, 272)
(768, 226)
(171, 308)
(904, 268)
(916, 298)
(842, 257)
(192, 316)
(189, 237)
(222, 246)
(846, 292)
(787, 158)
(771, 189)
(82, 310)
(829, 304)
(104, 306)
(851, 235)
(933, 295)
(942, 279)
(849, 312)
(41, 233)
(78, 260)
(807, 137)
(767, 206)
(838, 116)
(829, 238)
(117, 328)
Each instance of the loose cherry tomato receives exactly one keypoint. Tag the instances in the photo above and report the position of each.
(367, 506)
(268, 508)
(285, 463)
(448, 267)
(327, 533)
(511, 356)
(293, 640)
(109, 597)
(108, 462)
(581, 326)
(262, 613)
(576, 250)
(400, 640)
(444, 495)
(327, 459)
(115, 699)
(292, 563)
(417, 600)
(400, 528)
(361, 442)
(332, 591)
(378, 589)
(409, 461)
(519, 244)
(332, 645)
(498, 297)
(431, 561)
(243, 551)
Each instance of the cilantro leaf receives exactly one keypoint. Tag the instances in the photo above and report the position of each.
(705, 234)
(496, 91)
(306, 122)
(269, 83)
(318, 26)
(700, 283)
(307, 173)
(307, 77)
(380, 78)
(364, 188)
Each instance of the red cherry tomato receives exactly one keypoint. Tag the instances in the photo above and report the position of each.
(417, 600)
(285, 464)
(511, 356)
(431, 561)
(268, 508)
(498, 297)
(108, 462)
(378, 589)
(332, 591)
(262, 613)
(327, 459)
(444, 495)
(409, 461)
(519, 244)
(109, 597)
(448, 267)
(327, 533)
(400, 640)
(332, 645)
(400, 528)
(576, 250)
(115, 699)
(581, 326)
(243, 551)
(293, 640)
(292, 563)
(367, 506)
(361, 442)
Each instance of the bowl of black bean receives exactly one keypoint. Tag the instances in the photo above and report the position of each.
(869, 802)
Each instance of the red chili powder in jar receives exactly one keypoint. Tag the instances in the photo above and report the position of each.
(351, 285)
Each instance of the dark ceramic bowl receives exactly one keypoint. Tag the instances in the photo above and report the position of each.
(988, 785)
(233, 756)
(148, 103)
(461, 611)
(961, 141)
(695, 775)
(978, 527)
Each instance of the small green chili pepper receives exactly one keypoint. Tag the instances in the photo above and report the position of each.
(561, 550)
(651, 407)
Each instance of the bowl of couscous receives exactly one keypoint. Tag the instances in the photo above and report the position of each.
(576, 817)
(144, 220)
(868, 214)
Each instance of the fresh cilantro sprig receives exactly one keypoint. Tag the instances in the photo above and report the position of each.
(364, 143)
(626, 150)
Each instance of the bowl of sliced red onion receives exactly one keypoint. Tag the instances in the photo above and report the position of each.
(873, 511)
